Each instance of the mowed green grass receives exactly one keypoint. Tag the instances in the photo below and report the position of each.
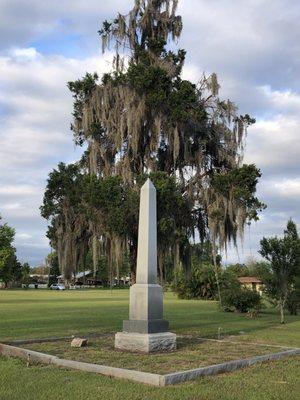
(41, 314)
(273, 381)
(191, 353)
(44, 313)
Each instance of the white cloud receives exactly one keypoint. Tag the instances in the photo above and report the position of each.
(284, 188)
(289, 188)
(255, 40)
(25, 54)
(281, 101)
(38, 109)
(12, 190)
(23, 236)
(274, 143)
(10, 206)
(35, 132)
(22, 21)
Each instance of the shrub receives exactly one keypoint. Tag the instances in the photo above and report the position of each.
(202, 282)
(240, 299)
(200, 285)
(293, 300)
(179, 284)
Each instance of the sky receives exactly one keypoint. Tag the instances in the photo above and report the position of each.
(252, 45)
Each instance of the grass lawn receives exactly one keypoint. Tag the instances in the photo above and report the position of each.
(191, 353)
(38, 314)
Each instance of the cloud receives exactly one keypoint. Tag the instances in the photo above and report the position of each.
(289, 188)
(26, 54)
(35, 134)
(273, 144)
(24, 236)
(35, 21)
(255, 41)
(286, 188)
(8, 190)
(35, 129)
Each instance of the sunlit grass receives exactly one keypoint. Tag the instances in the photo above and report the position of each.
(42, 314)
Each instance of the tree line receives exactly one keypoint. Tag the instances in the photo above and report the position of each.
(279, 274)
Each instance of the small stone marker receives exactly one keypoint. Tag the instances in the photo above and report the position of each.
(78, 342)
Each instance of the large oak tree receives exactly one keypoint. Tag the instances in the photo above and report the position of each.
(144, 118)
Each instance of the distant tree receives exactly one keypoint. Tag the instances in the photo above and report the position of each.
(293, 300)
(6, 260)
(16, 271)
(25, 274)
(283, 255)
(39, 270)
(26, 268)
(53, 267)
(9, 266)
(259, 269)
(102, 272)
(238, 269)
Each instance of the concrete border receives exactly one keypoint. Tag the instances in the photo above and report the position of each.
(29, 355)
(184, 376)
(138, 376)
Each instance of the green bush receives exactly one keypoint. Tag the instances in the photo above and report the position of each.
(200, 285)
(241, 299)
(293, 300)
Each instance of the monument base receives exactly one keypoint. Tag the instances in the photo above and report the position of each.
(146, 326)
(145, 342)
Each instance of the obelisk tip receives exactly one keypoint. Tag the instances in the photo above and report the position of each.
(148, 184)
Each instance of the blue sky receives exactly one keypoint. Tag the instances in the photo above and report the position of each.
(253, 46)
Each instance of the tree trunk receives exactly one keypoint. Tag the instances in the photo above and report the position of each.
(133, 261)
(218, 286)
(95, 255)
(217, 278)
(161, 272)
(281, 305)
(118, 272)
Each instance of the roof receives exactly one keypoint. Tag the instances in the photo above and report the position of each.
(249, 279)
(82, 274)
(79, 274)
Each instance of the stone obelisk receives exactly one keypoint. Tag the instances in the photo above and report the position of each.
(146, 331)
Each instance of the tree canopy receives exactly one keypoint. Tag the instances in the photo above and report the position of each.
(10, 267)
(283, 255)
(144, 118)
